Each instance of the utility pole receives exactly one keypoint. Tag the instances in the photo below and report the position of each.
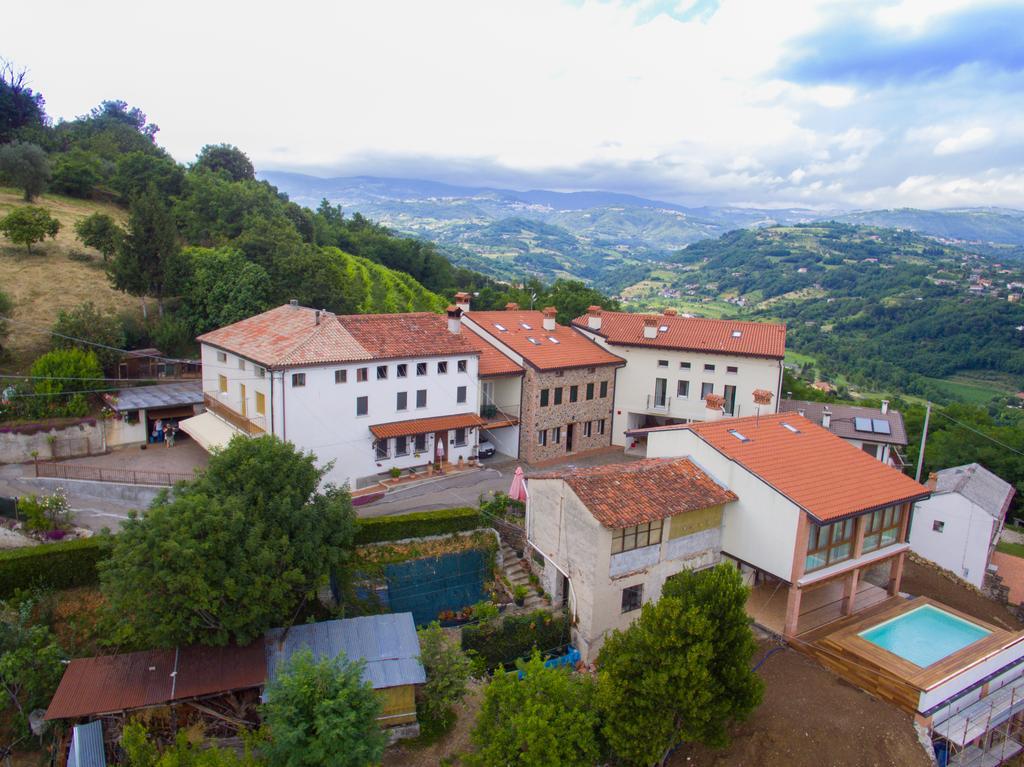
(924, 440)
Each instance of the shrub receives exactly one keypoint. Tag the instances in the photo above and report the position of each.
(448, 670)
(53, 565)
(46, 513)
(416, 525)
(501, 642)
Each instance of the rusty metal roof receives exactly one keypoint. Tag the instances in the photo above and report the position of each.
(111, 683)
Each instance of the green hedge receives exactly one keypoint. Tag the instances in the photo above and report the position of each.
(500, 643)
(416, 525)
(60, 565)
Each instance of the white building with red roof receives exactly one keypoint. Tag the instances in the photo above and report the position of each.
(683, 369)
(366, 393)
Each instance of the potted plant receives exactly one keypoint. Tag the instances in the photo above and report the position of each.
(395, 472)
(519, 595)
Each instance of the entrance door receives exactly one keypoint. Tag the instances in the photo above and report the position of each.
(569, 429)
(441, 447)
(730, 400)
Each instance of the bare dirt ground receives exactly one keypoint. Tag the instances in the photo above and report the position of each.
(449, 747)
(923, 580)
(812, 718)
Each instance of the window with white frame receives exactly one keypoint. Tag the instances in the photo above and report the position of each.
(401, 446)
(442, 367)
(222, 357)
(683, 389)
(461, 366)
(600, 426)
(261, 372)
(588, 428)
(401, 370)
(542, 437)
(421, 368)
(556, 435)
(362, 374)
(381, 448)
(382, 372)
(732, 369)
(298, 379)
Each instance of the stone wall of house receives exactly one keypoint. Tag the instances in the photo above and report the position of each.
(534, 417)
(84, 437)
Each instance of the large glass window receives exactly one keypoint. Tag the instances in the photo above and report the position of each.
(636, 537)
(882, 528)
(828, 544)
(401, 446)
(381, 447)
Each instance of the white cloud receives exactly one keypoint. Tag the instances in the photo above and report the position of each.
(970, 139)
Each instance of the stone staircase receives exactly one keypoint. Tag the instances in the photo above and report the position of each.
(517, 574)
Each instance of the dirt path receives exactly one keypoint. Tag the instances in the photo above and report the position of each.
(454, 743)
(811, 718)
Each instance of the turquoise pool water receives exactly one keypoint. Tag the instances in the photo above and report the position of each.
(924, 635)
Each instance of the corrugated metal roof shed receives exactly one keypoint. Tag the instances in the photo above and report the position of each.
(388, 644)
(160, 395)
(87, 746)
(110, 683)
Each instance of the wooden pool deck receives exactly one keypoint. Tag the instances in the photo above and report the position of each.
(885, 675)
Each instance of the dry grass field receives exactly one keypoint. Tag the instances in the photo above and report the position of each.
(43, 282)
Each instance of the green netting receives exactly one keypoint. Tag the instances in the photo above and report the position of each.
(426, 587)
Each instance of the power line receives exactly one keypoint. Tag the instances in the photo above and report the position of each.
(50, 331)
(979, 433)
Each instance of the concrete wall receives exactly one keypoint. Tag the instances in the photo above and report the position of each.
(636, 381)
(761, 527)
(963, 545)
(121, 432)
(561, 528)
(139, 495)
(534, 417)
(84, 438)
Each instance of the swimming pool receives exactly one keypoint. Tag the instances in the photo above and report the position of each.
(924, 635)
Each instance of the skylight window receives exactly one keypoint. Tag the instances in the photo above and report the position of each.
(500, 327)
(739, 436)
(663, 328)
(525, 326)
(737, 333)
(554, 340)
(533, 340)
(791, 427)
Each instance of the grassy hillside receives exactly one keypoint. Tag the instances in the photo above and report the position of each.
(42, 283)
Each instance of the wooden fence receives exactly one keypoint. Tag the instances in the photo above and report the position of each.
(102, 474)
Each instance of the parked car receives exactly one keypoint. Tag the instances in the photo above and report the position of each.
(486, 449)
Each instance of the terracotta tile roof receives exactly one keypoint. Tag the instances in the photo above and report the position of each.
(568, 350)
(695, 334)
(492, 361)
(425, 425)
(823, 474)
(844, 420)
(110, 683)
(289, 336)
(626, 494)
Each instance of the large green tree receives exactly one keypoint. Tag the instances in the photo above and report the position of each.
(30, 665)
(672, 677)
(226, 159)
(28, 225)
(76, 173)
(236, 551)
(224, 287)
(20, 107)
(26, 166)
(100, 231)
(448, 669)
(61, 379)
(547, 717)
(322, 714)
(86, 327)
(149, 262)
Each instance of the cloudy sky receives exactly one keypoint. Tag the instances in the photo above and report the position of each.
(792, 102)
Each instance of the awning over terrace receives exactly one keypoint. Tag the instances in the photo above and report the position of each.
(209, 431)
(426, 425)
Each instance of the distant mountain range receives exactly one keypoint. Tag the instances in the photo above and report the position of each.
(606, 238)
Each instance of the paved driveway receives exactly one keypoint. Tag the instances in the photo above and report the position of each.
(465, 489)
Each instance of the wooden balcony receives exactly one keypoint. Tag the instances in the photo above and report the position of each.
(254, 427)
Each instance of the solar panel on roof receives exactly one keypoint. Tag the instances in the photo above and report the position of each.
(862, 424)
(880, 426)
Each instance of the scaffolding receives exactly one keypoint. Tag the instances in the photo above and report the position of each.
(986, 733)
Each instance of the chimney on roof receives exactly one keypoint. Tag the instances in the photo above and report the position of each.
(826, 417)
(316, 317)
(933, 481)
(650, 327)
(670, 312)
(454, 319)
(885, 406)
(801, 410)
(511, 306)
(294, 302)
(594, 317)
(462, 301)
(549, 318)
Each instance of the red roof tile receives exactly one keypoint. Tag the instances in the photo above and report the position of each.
(695, 334)
(492, 361)
(826, 476)
(112, 683)
(569, 349)
(426, 425)
(626, 494)
(289, 336)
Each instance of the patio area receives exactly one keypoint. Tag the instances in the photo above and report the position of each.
(818, 607)
(183, 458)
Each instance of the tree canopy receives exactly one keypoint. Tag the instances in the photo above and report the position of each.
(100, 231)
(227, 159)
(94, 329)
(149, 260)
(322, 714)
(20, 106)
(232, 553)
(26, 166)
(28, 225)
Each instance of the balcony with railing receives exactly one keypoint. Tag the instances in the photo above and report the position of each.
(252, 426)
(499, 416)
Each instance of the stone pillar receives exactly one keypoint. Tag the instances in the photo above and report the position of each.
(792, 611)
